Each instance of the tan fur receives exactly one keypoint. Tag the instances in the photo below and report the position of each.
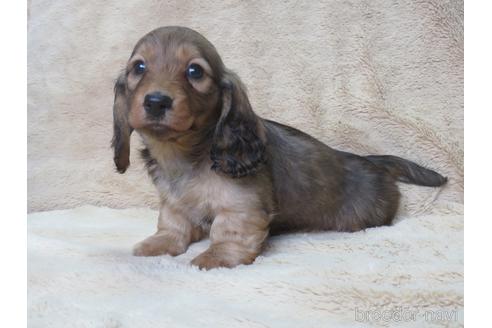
(173, 236)
(238, 224)
(236, 238)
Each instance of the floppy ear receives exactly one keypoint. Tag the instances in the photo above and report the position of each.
(239, 141)
(121, 128)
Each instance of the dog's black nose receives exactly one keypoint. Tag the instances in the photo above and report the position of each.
(156, 103)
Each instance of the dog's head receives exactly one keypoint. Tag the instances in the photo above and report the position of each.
(174, 85)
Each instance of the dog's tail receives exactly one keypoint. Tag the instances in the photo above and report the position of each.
(408, 172)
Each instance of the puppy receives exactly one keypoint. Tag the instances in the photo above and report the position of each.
(220, 170)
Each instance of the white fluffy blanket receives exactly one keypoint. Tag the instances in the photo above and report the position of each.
(81, 274)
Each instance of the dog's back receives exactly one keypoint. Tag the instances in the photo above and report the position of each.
(319, 188)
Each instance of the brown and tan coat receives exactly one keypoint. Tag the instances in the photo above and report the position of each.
(220, 170)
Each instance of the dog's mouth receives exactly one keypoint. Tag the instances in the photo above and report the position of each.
(159, 128)
(162, 131)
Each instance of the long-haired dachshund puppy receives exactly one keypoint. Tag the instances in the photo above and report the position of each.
(220, 170)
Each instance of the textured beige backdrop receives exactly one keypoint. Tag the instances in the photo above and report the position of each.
(371, 76)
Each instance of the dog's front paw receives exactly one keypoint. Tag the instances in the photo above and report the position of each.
(159, 245)
(208, 261)
(220, 256)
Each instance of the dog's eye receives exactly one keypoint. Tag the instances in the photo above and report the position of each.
(139, 67)
(194, 71)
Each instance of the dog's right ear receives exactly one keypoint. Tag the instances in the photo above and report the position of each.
(121, 127)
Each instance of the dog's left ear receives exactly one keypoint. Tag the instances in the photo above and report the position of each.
(121, 128)
(239, 140)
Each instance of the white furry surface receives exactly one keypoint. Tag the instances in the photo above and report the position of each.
(81, 274)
